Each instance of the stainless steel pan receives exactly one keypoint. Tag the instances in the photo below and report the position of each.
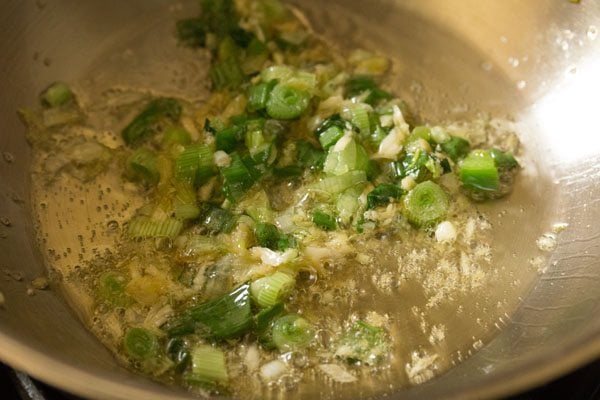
(537, 61)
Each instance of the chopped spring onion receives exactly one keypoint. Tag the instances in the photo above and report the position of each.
(145, 123)
(286, 102)
(289, 171)
(225, 317)
(382, 195)
(503, 160)
(363, 343)
(419, 132)
(292, 332)
(359, 116)
(419, 165)
(267, 235)
(220, 16)
(111, 289)
(256, 142)
(439, 135)
(256, 54)
(456, 148)
(176, 135)
(191, 32)
(142, 165)
(323, 220)
(330, 136)
(56, 95)
(426, 204)
(238, 177)
(352, 157)
(216, 220)
(185, 211)
(281, 73)
(348, 204)
(258, 95)
(360, 84)
(208, 366)
(309, 156)
(146, 227)
(330, 131)
(337, 184)
(178, 351)
(264, 318)
(186, 206)
(226, 74)
(478, 172)
(373, 169)
(227, 139)
(272, 289)
(140, 344)
(195, 164)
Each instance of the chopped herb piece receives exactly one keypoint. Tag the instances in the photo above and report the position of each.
(225, 317)
(140, 344)
(456, 148)
(292, 332)
(56, 95)
(382, 195)
(426, 204)
(147, 121)
(323, 220)
(363, 343)
(361, 84)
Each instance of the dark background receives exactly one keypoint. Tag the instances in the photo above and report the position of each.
(583, 384)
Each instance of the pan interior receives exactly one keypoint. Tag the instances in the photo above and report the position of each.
(445, 72)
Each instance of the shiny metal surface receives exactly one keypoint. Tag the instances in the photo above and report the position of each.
(535, 61)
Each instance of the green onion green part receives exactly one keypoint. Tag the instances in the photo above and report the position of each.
(146, 122)
(363, 343)
(186, 205)
(216, 220)
(383, 194)
(142, 166)
(323, 220)
(309, 156)
(225, 317)
(111, 289)
(56, 95)
(336, 184)
(191, 32)
(238, 177)
(478, 172)
(195, 164)
(267, 235)
(503, 160)
(353, 157)
(176, 135)
(258, 95)
(292, 332)
(330, 131)
(420, 132)
(145, 227)
(208, 366)
(272, 289)
(456, 148)
(227, 139)
(179, 352)
(286, 102)
(366, 85)
(140, 344)
(426, 204)
(263, 320)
